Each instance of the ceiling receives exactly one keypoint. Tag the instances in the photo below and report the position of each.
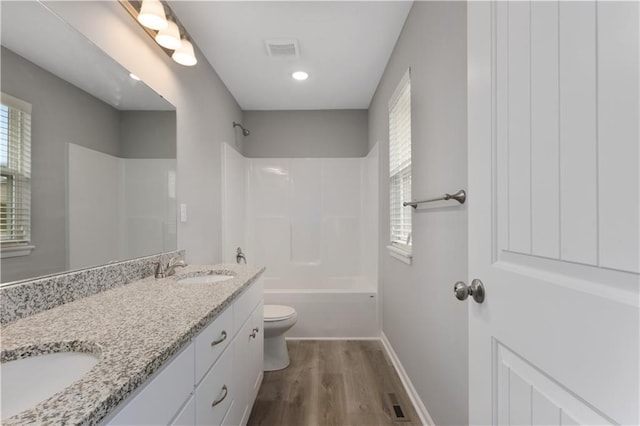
(343, 45)
(38, 35)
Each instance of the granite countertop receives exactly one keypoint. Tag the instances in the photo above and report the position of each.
(134, 329)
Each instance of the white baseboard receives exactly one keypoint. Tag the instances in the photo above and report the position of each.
(332, 338)
(425, 417)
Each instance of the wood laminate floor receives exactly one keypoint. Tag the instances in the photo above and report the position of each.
(332, 382)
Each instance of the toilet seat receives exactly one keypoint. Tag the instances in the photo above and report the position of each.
(278, 312)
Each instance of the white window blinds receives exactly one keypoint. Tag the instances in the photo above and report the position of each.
(15, 171)
(400, 163)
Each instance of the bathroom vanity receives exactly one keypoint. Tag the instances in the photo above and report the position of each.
(186, 349)
(213, 380)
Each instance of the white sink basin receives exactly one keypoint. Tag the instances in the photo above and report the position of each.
(205, 279)
(28, 381)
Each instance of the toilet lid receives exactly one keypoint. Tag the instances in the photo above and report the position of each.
(277, 312)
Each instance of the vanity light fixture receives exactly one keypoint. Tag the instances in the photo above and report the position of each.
(169, 37)
(152, 15)
(172, 37)
(184, 54)
(300, 75)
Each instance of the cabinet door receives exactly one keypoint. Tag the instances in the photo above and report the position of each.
(248, 360)
(239, 404)
(243, 345)
(251, 354)
(256, 354)
(246, 303)
(161, 398)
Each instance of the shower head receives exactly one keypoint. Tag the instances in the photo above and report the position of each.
(245, 132)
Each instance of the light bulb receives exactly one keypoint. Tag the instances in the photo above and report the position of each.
(184, 54)
(300, 75)
(152, 15)
(170, 36)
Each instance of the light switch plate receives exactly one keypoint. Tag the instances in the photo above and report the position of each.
(183, 213)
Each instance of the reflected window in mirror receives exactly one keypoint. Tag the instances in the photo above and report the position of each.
(15, 176)
(103, 149)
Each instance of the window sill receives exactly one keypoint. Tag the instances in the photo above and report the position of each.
(400, 254)
(16, 251)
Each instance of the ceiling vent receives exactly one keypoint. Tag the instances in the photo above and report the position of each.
(282, 48)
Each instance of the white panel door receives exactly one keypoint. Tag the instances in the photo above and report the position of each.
(554, 218)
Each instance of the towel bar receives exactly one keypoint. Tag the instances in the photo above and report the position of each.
(460, 196)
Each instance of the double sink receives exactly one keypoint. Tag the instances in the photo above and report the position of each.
(36, 377)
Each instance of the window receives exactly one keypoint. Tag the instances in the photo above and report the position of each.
(15, 176)
(400, 169)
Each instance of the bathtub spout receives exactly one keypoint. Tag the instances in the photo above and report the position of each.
(240, 256)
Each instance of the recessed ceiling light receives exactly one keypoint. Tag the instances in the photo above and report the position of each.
(134, 77)
(300, 75)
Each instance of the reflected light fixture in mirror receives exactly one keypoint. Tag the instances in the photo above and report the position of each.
(152, 15)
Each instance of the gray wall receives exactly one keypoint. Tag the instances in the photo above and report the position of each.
(205, 111)
(309, 133)
(425, 324)
(61, 114)
(55, 104)
(148, 134)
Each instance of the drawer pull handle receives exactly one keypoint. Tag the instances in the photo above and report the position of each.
(253, 334)
(221, 339)
(218, 401)
(256, 329)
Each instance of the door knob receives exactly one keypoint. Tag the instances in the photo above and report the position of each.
(475, 290)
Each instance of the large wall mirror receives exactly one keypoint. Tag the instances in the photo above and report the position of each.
(101, 181)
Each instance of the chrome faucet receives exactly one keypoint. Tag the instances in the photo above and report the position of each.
(174, 262)
(240, 256)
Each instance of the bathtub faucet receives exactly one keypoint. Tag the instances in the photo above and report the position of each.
(240, 256)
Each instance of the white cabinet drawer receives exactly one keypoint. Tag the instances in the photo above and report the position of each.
(247, 302)
(212, 341)
(186, 416)
(159, 400)
(215, 394)
(229, 419)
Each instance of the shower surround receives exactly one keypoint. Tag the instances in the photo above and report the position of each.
(313, 223)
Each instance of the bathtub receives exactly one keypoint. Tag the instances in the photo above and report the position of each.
(333, 308)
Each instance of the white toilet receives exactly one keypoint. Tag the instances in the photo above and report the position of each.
(277, 320)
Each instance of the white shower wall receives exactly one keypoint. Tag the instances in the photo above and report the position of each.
(150, 220)
(313, 223)
(234, 206)
(305, 220)
(94, 223)
(135, 214)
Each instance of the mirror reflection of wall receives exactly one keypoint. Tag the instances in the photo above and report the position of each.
(122, 205)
